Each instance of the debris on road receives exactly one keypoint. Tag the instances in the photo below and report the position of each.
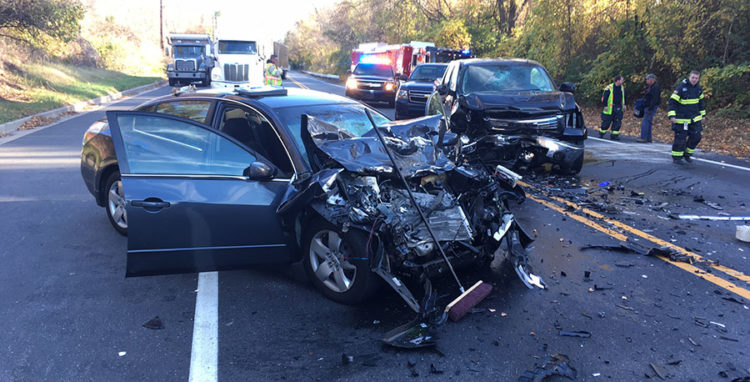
(154, 324)
(435, 370)
(659, 370)
(670, 253)
(743, 233)
(346, 358)
(580, 334)
(122, 353)
(622, 247)
(557, 364)
(412, 335)
(714, 218)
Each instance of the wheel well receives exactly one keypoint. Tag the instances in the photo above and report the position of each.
(101, 199)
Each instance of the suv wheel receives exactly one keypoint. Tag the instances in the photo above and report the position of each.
(115, 203)
(337, 263)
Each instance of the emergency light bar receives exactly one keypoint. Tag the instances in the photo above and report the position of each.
(374, 59)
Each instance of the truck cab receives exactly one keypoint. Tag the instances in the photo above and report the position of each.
(191, 59)
(238, 63)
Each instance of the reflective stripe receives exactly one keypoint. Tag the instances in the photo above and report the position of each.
(675, 97)
(611, 98)
(615, 132)
(680, 120)
(703, 112)
(602, 131)
(698, 118)
(677, 153)
(689, 150)
(701, 97)
(671, 113)
(688, 101)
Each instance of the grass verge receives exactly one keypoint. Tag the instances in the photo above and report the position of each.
(31, 88)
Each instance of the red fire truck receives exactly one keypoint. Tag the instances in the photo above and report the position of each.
(403, 57)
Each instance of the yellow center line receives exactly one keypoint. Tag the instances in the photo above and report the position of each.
(731, 272)
(619, 236)
(296, 82)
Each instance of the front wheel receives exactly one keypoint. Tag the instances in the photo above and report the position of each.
(172, 82)
(337, 263)
(115, 205)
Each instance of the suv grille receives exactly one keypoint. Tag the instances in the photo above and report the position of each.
(235, 72)
(418, 96)
(543, 123)
(185, 65)
(369, 85)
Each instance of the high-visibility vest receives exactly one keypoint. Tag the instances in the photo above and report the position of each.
(610, 99)
(272, 75)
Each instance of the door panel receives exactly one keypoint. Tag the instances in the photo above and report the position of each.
(189, 206)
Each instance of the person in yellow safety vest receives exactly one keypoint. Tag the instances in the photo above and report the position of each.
(613, 100)
(272, 74)
(686, 111)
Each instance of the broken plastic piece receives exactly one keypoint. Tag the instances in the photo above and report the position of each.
(415, 334)
(659, 370)
(580, 334)
(529, 279)
(154, 324)
(743, 233)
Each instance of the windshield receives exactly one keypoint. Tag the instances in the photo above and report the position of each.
(377, 70)
(511, 77)
(237, 47)
(351, 118)
(427, 73)
(188, 51)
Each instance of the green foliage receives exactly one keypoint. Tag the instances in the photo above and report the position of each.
(38, 22)
(727, 88)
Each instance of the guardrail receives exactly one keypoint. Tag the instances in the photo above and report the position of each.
(320, 75)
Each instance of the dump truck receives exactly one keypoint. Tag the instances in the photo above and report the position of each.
(191, 59)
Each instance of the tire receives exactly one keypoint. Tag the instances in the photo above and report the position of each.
(572, 168)
(114, 203)
(172, 82)
(329, 272)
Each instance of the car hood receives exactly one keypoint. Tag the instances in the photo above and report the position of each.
(418, 85)
(411, 144)
(527, 102)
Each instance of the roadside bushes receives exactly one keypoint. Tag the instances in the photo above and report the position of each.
(727, 88)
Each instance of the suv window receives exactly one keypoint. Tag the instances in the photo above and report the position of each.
(253, 130)
(196, 110)
(158, 145)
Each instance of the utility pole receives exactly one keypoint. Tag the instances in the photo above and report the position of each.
(161, 25)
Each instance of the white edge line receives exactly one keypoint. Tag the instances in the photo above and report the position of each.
(666, 153)
(204, 353)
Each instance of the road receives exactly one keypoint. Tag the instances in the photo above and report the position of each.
(71, 315)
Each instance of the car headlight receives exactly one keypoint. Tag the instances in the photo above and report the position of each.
(351, 83)
(170, 67)
(402, 93)
(216, 74)
(389, 86)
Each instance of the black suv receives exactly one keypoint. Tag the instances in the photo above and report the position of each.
(372, 82)
(412, 94)
(513, 111)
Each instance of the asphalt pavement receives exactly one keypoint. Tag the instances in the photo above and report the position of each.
(71, 315)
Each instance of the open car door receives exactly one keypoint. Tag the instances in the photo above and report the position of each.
(196, 200)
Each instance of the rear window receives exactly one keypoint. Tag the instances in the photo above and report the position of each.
(195, 110)
(428, 73)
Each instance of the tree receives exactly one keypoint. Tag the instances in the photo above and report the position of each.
(35, 21)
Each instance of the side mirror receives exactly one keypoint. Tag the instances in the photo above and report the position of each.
(442, 90)
(258, 171)
(568, 87)
(349, 72)
(402, 77)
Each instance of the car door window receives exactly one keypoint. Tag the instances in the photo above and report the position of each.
(454, 77)
(253, 130)
(448, 74)
(155, 145)
(197, 110)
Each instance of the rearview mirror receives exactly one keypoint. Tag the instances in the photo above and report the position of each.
(259, 171)
(568, 87)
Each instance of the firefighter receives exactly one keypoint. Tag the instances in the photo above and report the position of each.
(613, 100)
(686, 111)
(272, 74)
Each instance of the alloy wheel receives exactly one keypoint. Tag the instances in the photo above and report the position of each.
(329, 260)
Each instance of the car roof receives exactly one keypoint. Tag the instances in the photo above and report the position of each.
(433, 64)
(499, 60)
(294, 97)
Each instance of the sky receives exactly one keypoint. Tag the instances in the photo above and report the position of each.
(267, 19)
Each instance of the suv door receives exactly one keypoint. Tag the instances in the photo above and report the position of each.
(191, 204)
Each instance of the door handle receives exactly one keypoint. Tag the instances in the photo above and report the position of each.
(150, 204)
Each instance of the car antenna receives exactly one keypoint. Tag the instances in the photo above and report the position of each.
(468, 298)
